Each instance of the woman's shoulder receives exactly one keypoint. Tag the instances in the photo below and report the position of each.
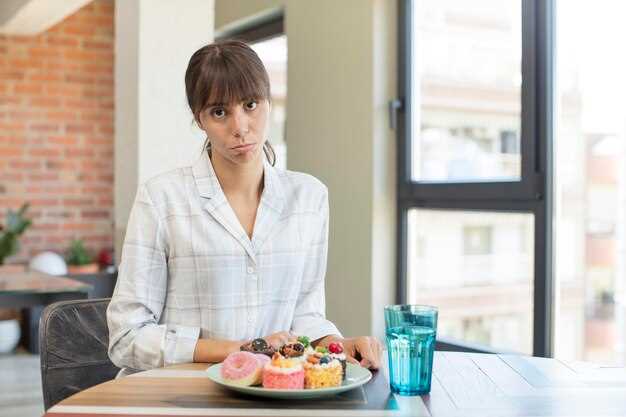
(168, 184)
(302, 182)
(303, 192)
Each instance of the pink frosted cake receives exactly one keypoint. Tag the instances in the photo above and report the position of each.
(244, 368)
(282, 373)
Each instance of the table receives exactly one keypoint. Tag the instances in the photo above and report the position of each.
(36, 289)
(27, 289)
(464, 384)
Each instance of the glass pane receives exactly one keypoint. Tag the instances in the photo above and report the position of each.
(477, 267)
(466, 76)
(590, 178)
(273, 53)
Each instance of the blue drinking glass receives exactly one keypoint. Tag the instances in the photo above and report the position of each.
(410, 332)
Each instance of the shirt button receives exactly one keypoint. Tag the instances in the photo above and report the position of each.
(250, 319)
(250, 270)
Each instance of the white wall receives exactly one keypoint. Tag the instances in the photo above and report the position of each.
(341, 74)
(154, 40)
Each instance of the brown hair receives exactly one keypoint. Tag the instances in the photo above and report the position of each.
(226, 71)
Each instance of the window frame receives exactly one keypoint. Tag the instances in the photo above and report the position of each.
(532, 194)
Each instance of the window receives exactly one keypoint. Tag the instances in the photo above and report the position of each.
(590, 182)
(474, 185)
(273, 53)
(466, 78)
(476, 271)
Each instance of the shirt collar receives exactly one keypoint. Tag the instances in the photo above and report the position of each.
(209, 186)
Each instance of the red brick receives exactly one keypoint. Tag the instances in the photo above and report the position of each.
(44, 202)
(59, 40)
(44, 127)
(60, 116)
(95, 214)
(56, 136)
(78, 128)
(63, 90)
(79, 29)
(63, 140)
(80, 104)
(78, 226)
(12, 74)
(50, 102)
(39, 52)
(61, 165)
(97, 45)
(44, 152)
(79, 153)
(80, 78)
(8, 152)
(46, 226)
(43, 177)
(78, 201)
(27, 88)
(25, 165)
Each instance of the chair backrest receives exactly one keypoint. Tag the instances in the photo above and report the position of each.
(73, 343)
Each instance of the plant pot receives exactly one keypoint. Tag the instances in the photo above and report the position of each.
(92, 268)
(9, 335)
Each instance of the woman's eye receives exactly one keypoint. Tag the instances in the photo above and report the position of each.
(219, 113)
(251, 105)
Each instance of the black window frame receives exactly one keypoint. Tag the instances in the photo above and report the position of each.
(532, 194)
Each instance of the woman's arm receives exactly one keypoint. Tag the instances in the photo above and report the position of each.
(136, 339)
(310, 313)
(214, 350)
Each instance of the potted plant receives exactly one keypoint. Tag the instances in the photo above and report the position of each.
(79, 260)
(16, 224)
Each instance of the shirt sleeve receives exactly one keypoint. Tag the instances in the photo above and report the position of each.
(310, 313)
(136, 339)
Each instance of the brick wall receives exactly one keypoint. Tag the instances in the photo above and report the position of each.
(56, 130)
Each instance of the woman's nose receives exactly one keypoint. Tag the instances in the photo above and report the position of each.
(241, 123)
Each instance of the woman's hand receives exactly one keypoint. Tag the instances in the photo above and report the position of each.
(363, 350)
(276, 340)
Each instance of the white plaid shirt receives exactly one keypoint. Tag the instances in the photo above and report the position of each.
(189, 269)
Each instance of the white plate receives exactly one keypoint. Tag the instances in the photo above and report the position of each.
(355, 377)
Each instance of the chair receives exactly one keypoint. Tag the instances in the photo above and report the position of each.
(73, 343)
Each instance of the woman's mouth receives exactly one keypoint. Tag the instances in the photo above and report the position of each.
(244, 147)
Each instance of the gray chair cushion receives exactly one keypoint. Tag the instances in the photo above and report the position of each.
(73, 343)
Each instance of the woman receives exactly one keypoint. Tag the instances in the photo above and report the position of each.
(231, 248)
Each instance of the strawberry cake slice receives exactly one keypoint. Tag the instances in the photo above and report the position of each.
(282, 373)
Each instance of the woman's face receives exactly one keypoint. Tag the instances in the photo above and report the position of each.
(236, 130)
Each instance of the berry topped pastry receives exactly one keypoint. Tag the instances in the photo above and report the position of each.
(322, 371)
(335, 350)
(258, 346)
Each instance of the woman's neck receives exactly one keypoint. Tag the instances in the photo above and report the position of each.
(239, 180)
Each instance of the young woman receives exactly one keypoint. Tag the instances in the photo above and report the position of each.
(231, 248)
